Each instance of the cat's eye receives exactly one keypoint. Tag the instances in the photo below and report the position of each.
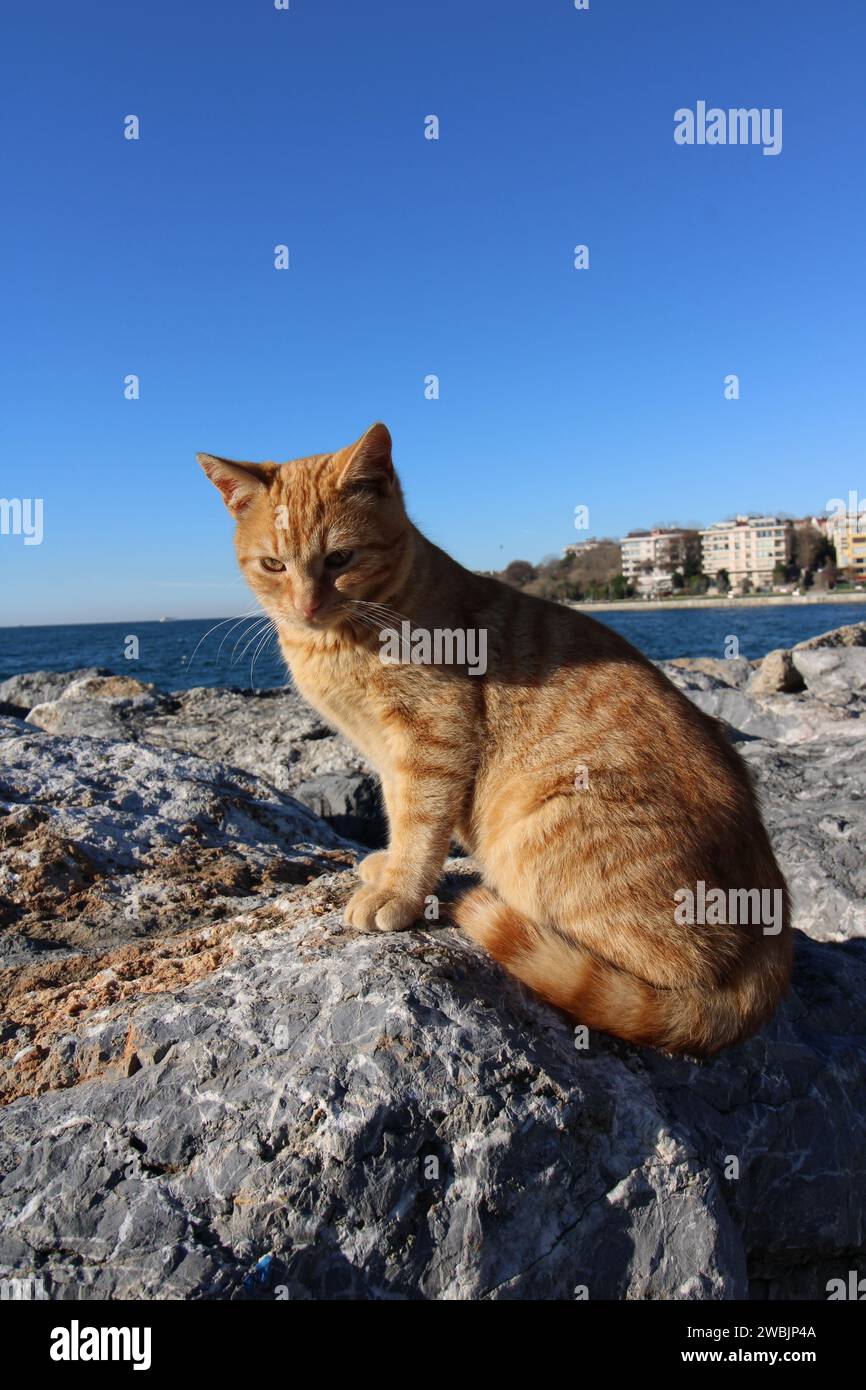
(338, 559)
(273, 566)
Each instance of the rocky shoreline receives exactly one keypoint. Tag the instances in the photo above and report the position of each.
(215, 1090)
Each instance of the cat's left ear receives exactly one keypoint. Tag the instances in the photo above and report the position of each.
(239, 483)
(370, 462)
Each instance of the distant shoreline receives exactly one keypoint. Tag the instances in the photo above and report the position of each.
(669, 605)
(624, 605)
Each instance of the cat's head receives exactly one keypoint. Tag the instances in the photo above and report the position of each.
(318, 537)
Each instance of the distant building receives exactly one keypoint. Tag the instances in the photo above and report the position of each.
(847, 531)
(749, 548)
(581, 547)
(651, 558)
(818, 523)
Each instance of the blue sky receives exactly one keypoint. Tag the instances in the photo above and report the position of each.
(408, 257)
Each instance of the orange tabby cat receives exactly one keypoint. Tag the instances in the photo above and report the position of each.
(628, 874)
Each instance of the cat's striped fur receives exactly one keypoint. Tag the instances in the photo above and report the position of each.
(588, 789)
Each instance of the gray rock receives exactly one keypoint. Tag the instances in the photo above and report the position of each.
(812, 798)
(832, 672)
(271, 733)
(10, 726)
(217, 1090)
(783, 719)
(103, 842)
(854, 635)
(118, 719)
(37, 687)
(106, 687)
(350, 802)
(732, 671)
(755, 718)
(327, 1115)
(776, 674)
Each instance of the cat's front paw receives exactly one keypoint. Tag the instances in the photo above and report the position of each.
(374, 867)
(377, 909)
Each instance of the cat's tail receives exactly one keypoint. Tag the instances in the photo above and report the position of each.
(699, 1021)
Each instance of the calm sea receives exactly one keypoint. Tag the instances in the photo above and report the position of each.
(181, 654)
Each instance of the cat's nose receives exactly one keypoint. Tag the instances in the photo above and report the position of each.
(307, 606)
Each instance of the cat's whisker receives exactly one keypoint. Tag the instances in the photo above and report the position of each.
(215, 628)
(367, 620)
(358, 612)
(243, 633)
(378, 607)
(270, 631)
(350, 607)
(380, 611)
(394, 620)
(228, 634)
(250, 635)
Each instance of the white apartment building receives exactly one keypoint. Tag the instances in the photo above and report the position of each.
(650, 559)
(748, 548)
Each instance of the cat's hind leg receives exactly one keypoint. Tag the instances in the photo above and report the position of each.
(602, 996)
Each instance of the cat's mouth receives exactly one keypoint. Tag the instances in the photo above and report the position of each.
(333, 618)
(320, 621)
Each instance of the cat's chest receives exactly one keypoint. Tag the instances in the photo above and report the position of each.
(342, 694)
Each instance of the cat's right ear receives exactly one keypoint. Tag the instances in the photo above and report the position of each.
(239, 483)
